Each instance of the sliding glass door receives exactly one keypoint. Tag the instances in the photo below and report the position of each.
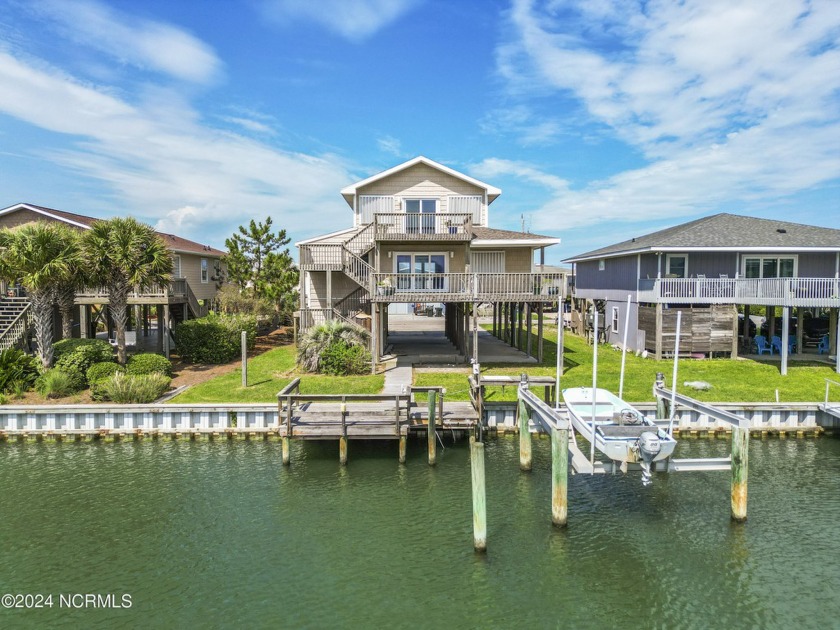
(421, 272)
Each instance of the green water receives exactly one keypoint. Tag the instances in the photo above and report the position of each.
(221, 535)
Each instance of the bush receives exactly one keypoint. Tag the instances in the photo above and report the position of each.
(17, 370)
(215, 338)
(133, 388)
(84, 356)
(57, 383)
(341, 359)
(317, 339)
(98, 373)
(66, 346)
(149, 363)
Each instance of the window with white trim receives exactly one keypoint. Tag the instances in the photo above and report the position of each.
(676, 265)
(176, 266)
(421, 272)
(420, 217)
(204, 275)
(769, 266)
(614, 322)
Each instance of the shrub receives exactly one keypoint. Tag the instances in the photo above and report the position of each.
(318, 338)
(57, 383)
(66, 346)
(134, 388)
(98, 373)
(149, 363)
(17, 369)
(341, 359)
(215, 338)
(84, 356)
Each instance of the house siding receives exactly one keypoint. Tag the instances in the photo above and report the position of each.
(618, 273)
(711, 264)
(191, 271)
(21, 217)
(423, 182)
(817, 265)
(316, 293)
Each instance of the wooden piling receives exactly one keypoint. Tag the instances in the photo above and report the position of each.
(661, 412)
(342, 440)
(403, 441)
(559, 477)
(432, 436)
(740, 461)
(479, 496)
(525, 454)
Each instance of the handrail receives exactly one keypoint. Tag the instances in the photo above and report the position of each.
(480, 286)
(779, 291)
(197, 309)
(362, 240)
(828, 383)
(414, 225)
(355, 267)
(17, 328)
(293, 387)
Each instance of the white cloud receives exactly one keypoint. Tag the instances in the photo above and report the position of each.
(164, 163)
(145, 44)
(355, 20)
(728, 102)
(391, 145)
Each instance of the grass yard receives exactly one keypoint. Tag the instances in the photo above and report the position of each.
(270, 372)
(732, 381)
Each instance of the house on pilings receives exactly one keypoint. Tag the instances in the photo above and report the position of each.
(421, 241)
(707, 269)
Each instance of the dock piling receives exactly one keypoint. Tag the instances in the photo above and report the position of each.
(661, 411)
(479, 496)
(559, 477)
(524, 413)
(740, 461)
(403, 440)
(286, 453)
(342, 440)
(431, 434)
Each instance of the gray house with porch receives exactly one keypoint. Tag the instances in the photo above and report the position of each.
(706, 269)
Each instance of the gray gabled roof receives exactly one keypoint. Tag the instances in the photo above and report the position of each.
(725, 232)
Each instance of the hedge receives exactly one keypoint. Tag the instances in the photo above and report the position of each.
(215, 338)
(149, 363)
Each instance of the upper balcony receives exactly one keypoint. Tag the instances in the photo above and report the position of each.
(804, 292)
(466, 287)
(410, 226)
(175, 292)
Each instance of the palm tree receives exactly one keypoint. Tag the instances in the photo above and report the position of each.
(319, 337)
(123, 255)
(64, 294)
(41, 256)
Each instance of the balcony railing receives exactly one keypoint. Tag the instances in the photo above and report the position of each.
(806, 292)
(443, 226)
(175, 289)
(465, 287)
(320, 257)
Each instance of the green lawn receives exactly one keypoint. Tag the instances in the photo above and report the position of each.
(268, 373)
(732, 381)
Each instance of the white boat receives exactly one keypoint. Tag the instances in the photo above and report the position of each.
(622, 433)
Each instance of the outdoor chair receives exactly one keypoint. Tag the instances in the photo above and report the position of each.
(823, 345)
(762, 345)
(776, 344)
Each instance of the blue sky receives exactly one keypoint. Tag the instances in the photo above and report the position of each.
(598, 119)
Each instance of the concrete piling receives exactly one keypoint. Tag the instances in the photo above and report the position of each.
(479, 496)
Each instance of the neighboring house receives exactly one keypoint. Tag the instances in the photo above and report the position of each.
(196, 270)
(705, 268)
(420, 235)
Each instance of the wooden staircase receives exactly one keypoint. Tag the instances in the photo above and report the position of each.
(15, 321)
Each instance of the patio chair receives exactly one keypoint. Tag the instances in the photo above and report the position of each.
(776, 344)
(823, 346)
(762, 345)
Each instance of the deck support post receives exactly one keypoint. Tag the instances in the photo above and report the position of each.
(402, 448)
(479, 495)
(734, 352)
(524, 417)
(800, 327)
(166, 347)
(658, 347)
(342, 440)
(475, 332)
(740, 460)
(528, 320)
(785, 337)
(84, 322)
(559, 476)
(540, 331)
(836, 344)
(431, 434)
(374, 342)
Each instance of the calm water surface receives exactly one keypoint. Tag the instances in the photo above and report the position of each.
(221, 535)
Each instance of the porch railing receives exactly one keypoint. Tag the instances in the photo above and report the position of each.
(442, 226)
(176, 288)
(320, 257)
(465, 287)
(813, 292)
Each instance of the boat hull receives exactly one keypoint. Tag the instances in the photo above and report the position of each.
(618, 426)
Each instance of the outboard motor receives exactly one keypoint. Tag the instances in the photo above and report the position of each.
(649, 447)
